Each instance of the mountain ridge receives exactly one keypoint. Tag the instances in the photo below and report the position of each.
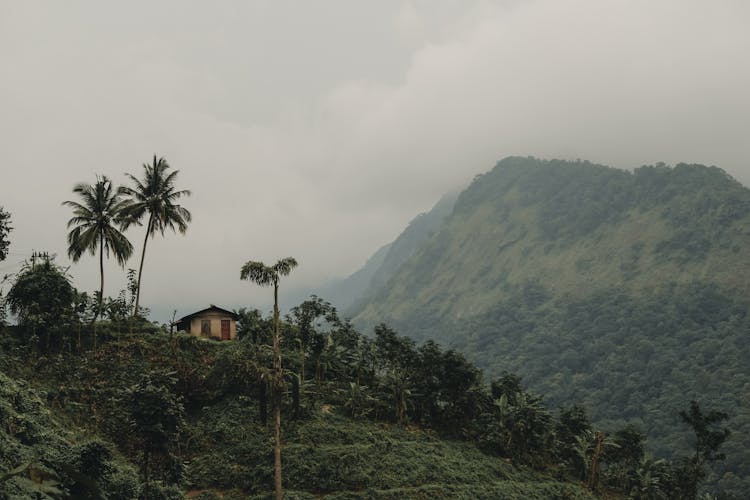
(573, 274)
(625, 227)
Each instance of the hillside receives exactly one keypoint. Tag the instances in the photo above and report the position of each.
(66, 431)
(624, 290)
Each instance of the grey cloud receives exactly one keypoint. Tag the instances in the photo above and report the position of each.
(320, 129)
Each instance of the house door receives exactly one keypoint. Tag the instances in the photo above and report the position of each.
(224, 329)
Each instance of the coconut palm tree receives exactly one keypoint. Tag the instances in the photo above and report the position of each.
(156, 196)
(94, 223)
(263, 275)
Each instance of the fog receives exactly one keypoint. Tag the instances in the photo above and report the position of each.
(319, 129)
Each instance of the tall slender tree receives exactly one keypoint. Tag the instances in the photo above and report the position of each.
(263, 275)
(154, 194)
(709, 436)
(5, 228)
(95, 224)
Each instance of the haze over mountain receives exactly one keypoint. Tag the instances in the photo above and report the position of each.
(320, 132)
(624, 290)
(380, 267)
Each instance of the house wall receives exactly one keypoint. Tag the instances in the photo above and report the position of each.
(215, 319)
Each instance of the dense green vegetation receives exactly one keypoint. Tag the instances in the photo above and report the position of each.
(155, 415)
(623, 291)
(184, 414)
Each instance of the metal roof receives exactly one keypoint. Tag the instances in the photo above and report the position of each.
(211, 308)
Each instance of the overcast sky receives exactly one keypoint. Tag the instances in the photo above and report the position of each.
(319, 129)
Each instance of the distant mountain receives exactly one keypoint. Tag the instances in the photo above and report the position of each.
(419, 230)
(627, 291)
(348, 292)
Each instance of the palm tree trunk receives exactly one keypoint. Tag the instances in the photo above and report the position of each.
(277, 394)
(140, 268)
(101, 276)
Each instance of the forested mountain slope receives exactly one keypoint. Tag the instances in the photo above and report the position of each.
(624, 290)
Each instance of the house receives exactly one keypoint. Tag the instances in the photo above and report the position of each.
(213, 322)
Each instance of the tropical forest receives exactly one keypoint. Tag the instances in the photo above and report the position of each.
(556, 330)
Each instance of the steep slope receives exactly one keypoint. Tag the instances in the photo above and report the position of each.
(574, 228)
(419, 230)
(625, 290)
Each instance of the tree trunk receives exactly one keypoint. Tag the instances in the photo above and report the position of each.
(140, 268)
(277, 394)
(594, 471)
(101, 276)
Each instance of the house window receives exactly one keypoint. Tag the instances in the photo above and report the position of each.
(206, 327)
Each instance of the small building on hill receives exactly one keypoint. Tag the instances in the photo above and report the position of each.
(213, 322)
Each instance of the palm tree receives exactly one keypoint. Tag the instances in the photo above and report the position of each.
(94, 224)
(263, 275)
(155, 195)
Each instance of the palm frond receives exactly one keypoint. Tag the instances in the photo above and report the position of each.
(154, 194)
(92, 221)
(119, 245)
(258, 273)
(284, 266)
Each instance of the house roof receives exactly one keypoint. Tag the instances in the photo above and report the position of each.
(212, 308)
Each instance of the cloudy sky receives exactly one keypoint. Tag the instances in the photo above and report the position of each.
(319, 129)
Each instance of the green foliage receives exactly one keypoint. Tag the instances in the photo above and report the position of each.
(263, 275)
(94, 222)
(624, 458)
(39, 460)
(374, 426)
(41, 297)
(623, 291)
(340, 458)
(117, 310)
(121, 392)
(573, 427)
(155, 415)
(251, 325)
(708, 439)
